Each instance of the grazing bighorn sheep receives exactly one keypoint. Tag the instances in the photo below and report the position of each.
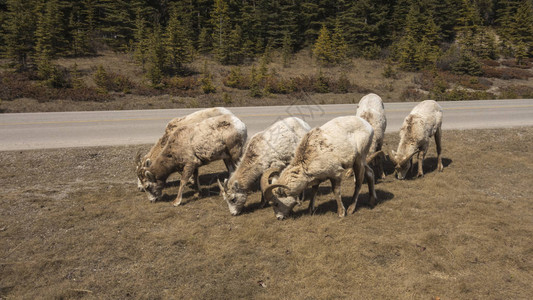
(371, 109)
(192, 118)
(325, 153)
(192, 146)
(419, 126)
(272, 147)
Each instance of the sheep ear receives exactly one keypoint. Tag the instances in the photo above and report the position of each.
(150, 176)
(147, 163)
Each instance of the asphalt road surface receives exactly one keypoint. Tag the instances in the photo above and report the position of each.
(24, 131)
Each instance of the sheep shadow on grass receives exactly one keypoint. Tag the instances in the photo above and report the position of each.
(331, 205)
(208, 187)
(430, 166)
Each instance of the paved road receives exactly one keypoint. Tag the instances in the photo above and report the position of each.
(104, 128)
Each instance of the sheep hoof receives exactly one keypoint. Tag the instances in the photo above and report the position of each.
(176, 203)
(351, 209)
(342, 213)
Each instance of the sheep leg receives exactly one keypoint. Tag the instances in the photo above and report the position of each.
(336, 187)
(187, 173)
(381, 169)
(421, 156)
(314, 191)
(438, 136)
(369, 174)
(358, 171)
(229, 165)
(263, 201)
(196, 177)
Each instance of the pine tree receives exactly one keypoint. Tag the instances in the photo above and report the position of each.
(48, 34)
(19, 31)
(117, 22)
(80, 36)
(340, 48)
(207, 81)
(234, 47)
(467, 25)
(418, 47)
(522, 28)
(156, 56)
(323, 47)
(3, 10)
(221, 30)
(140, 37)
(286, 50)
(205, 43)
(178, 45)
(366, 25)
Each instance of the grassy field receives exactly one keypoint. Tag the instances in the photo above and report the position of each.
(73, 225)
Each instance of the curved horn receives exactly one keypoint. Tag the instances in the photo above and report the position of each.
(374, 155)
(221, 186)
(403, 162)
(268, 192)
(150, 176)
(138, 157)
(265, 178)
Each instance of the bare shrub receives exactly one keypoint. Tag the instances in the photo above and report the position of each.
(516, 92)
(411, 94)
(506, 73)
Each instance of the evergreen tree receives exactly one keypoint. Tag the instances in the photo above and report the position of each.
(340, 48)
(366, 24)
(117, 22)
(234, 47)
(140, 37)
(323, 47)
(418, 47)
(156, 56)
(205, 43)
(468, 23)
(19, 30)
(3, 9)
(221, 30)
(286, 50)
(78, 32)
(522, 28)
(48, 34)
(178, 45)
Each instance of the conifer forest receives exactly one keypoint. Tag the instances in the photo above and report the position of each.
(455, 36)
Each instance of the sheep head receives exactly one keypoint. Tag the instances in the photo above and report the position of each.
(402, 163)
(149, 182)
(281, 201)
(235, 197)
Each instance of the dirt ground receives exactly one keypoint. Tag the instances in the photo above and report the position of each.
(73, 225)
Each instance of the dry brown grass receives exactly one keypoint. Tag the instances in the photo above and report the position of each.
(72, 225)
(365, 75)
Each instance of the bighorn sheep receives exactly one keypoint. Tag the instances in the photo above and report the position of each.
(192, 146)
(371, 109)
(272, 147)
(325, 153)
(192, 118)
(419, 126)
